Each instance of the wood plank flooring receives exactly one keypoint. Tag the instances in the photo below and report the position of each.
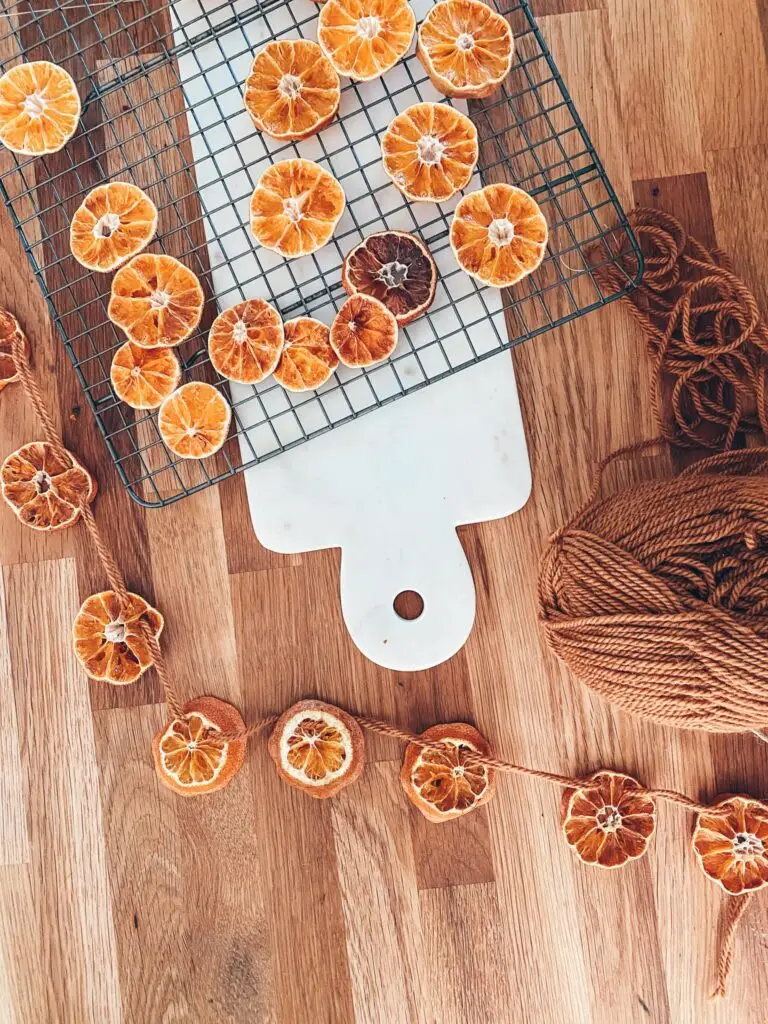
(122, 903)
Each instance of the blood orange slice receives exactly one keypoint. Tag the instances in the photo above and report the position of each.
(39, 108)
(144, 377)
(245, 341)
(397, 269)
(295, 207)
(194, 421)
(430, 151)
(731, 843)
(293, 90)
(364, 38)
(114, 222)
(363, 331)
(156, 300)
(317, 748)
(45, 491)
(466, 48)
(110, 642)
(609, 820)
(9, 330)
(192, 755)
(440, 779)
(307, 360)
(498, 234)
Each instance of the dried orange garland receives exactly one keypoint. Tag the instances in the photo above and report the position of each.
(608, 818)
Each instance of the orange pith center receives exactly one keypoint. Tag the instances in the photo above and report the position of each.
(747, 846)
(316, 749)
(193, 751)
(608, 818)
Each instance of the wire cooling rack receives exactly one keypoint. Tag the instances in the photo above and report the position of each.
(161, 85)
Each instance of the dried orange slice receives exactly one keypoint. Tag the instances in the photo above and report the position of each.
(293, 90)
(466, 48)
(45, 491)
(397, 269)
(114, 222)
(441, 779)
(498, 234)
(110, 642)
(194, 420)
(245, 341)
(39, 108)
(9, 329)
(731, 843)
(156, 300)
(307, 360)
(364, 38)
(363, 332)
(430, 151)
(143, 377)
(317, 748)
(191, 755)
(295, 207)
(609, 820)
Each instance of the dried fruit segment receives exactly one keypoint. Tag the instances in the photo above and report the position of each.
(9, 330)
(246, 340)
(293, 90)
(110, 642)
(363, 332)
(114, 222)
(307, 360)
(295, 207)
(441, 779)
(609, 820)
(317, 748)
(499, 234)
(39, 108)
(156, 300)
(144, 377)
(364, 38)
(194, 420)
(466, 48)
(397, 269)
(430, 151)
(192, 755)
(44, 490)
(731, 843)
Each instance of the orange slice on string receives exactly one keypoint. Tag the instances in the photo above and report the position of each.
(194, 421)
(295, 207)
(363, 332)
(430, 152)
(731, 843)
(144, 377)
(110, 642)
(45, 491)
(307, 360)
(156, 300)
(397, 269)
(245, 342)
(441, 779)
(192, 756)
(466, 48)
(114, 222)
(317, 748)
(293, 90)
(498, 235)
(608, 820)
(39, 108)
(364, 38)
(9, 330)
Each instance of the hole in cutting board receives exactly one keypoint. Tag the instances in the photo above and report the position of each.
(408, 604)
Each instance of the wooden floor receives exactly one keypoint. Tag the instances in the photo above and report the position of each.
(121, 902)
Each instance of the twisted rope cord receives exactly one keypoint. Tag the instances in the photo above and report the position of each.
(734, 911)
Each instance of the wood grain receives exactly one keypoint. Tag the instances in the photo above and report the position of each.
(122, 902)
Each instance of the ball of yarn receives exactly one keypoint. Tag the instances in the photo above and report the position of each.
(657, 597)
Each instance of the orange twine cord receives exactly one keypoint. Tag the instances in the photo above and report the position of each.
(725, 388)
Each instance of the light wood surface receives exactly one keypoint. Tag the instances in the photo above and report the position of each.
(122, 902)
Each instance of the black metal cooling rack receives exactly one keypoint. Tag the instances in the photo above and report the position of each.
(161, 86)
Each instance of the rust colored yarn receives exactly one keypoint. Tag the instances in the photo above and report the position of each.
(657, 597)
